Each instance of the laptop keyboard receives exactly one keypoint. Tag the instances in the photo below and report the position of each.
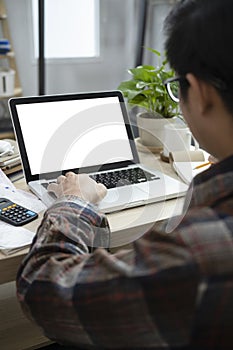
(124, 177)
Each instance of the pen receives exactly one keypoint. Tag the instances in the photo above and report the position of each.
(202, 165)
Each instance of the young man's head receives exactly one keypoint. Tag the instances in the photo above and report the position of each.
(199, 46)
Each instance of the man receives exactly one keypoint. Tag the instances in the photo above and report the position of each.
(171, 290)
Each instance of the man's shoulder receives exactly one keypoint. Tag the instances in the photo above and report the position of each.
(208, 234)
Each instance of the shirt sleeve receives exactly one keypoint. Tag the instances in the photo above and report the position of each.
(137, 298)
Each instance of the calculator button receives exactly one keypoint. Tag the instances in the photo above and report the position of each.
(31, 213)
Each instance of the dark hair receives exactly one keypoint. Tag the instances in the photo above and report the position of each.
(199, 40)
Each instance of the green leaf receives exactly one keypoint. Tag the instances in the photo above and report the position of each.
(139, 100)
(154, 51)
(146, 88)
(141, 74)
(134, 93)
(141, 85)
(159, 90)
(149, 68)
(126, 87)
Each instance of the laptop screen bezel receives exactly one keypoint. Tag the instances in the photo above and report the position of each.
(14, 102)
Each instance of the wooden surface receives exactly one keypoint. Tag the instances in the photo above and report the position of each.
(16, 332)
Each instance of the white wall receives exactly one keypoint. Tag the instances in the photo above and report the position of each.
(157, 12)
(119, 20)
(105, 72)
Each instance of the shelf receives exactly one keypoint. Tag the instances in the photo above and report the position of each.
(17, 92)
(9, 54)
(7, 135)
(7, 59)
(13, 169)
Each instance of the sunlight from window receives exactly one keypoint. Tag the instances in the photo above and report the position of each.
(71, 28)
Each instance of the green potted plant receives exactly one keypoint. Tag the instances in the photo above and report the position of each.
(146, 90)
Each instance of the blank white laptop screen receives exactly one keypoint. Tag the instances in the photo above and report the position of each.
(87, 132)
(68, 134)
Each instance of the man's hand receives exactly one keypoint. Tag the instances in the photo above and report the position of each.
(80, 185)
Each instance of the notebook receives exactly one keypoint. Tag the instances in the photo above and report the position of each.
(86, 133)
(188, 164)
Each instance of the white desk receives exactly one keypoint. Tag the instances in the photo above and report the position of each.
(16, 332)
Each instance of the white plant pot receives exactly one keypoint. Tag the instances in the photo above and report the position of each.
(151, 129)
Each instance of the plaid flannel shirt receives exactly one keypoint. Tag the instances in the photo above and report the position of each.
(170, 290)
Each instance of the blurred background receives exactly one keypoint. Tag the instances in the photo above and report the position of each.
(87, 45)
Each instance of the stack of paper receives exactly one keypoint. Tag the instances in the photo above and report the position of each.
(14, 238)
(189, 164)
(9, 163)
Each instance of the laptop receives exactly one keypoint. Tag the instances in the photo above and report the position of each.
(86, 133)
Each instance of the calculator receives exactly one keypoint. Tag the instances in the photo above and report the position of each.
(15, 214)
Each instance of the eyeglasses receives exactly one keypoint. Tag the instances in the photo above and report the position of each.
(172, 86)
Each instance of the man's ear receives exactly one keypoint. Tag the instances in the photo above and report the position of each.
(201, 92)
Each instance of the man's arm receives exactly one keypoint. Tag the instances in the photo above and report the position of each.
(134, 298)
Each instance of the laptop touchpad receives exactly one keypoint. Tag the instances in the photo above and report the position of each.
(123, 196)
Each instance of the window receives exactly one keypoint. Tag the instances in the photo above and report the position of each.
(71, 28)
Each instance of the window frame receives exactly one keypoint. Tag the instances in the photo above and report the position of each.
(68, 60)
